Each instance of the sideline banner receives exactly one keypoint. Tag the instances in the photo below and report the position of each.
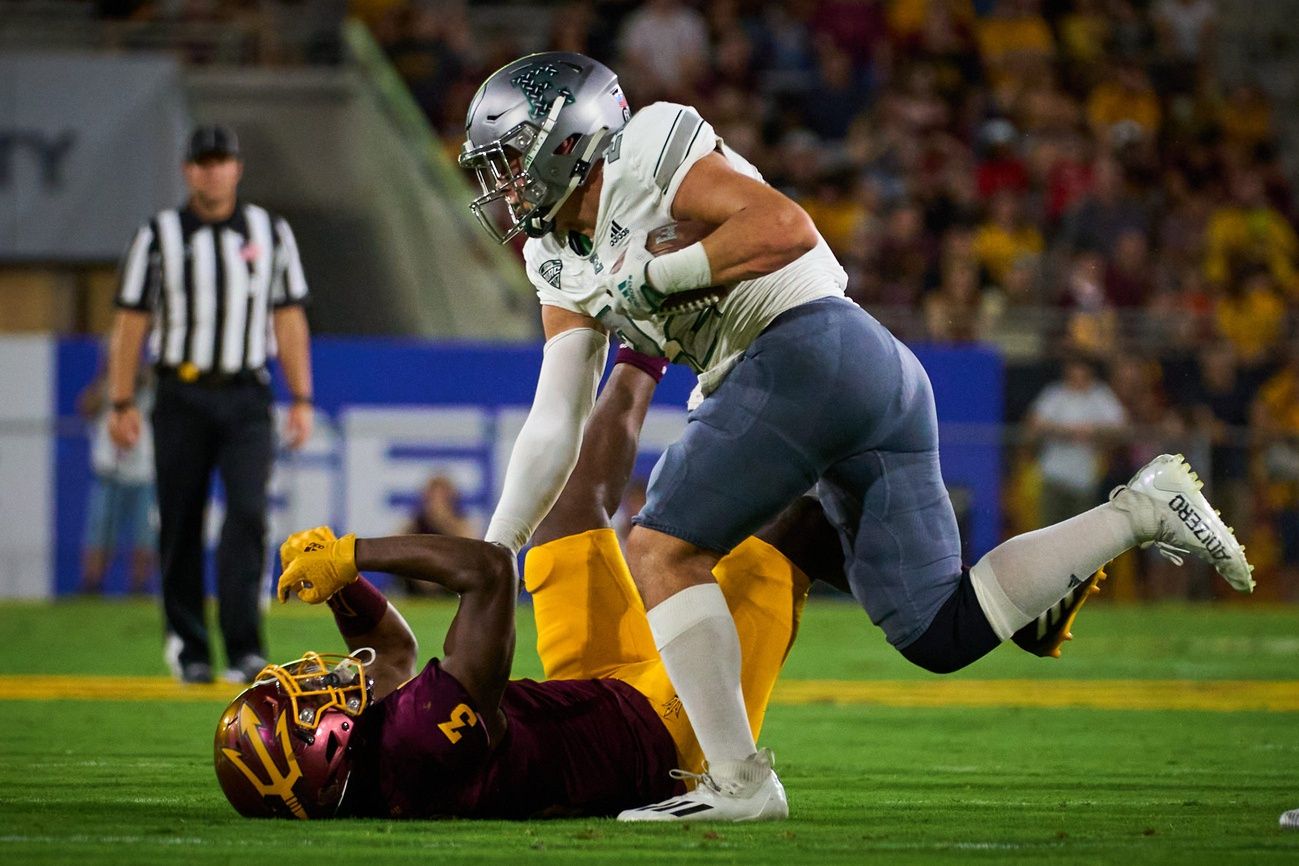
(26, 466)
(392, 414)
(90, 147)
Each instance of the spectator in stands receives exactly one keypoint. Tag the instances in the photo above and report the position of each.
(955, 312)
(840, 93)
(1005, 237)
(1130, 32)
(789, 47)
(836, 210)
(1067, 177)
(1084, 34)
(1218, 399)
(1075, 420)
(121, 503)
(424, 56)
(1012, 313)
(1248, 231)
(439, 513)
(1105, 212)
(1128, 279)
(1002, 168)
(1127, 95)
(904, 256)
(1276, 417)
(1015, 41)
(665, 51)
(1153, 428)
(1185, 28)
(1252, 316)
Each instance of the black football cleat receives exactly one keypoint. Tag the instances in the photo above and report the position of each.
(1045, 635)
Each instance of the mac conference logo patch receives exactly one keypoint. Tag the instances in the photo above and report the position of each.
(550, 271)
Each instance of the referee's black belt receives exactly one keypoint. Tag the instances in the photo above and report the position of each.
(190, 374)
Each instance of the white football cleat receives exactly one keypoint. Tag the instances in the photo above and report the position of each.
(1290, 820)
(1165, 502)
(761, 798)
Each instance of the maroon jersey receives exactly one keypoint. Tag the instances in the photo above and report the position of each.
(570, 747)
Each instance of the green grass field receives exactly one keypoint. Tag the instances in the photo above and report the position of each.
(1009, 761)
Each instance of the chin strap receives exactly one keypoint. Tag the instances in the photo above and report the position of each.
(545, 223)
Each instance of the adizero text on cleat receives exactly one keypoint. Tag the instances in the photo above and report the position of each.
(1045, 635)
(1184, 522)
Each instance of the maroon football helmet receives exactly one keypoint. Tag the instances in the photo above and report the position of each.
(283, 747)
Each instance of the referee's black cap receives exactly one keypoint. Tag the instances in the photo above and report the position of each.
(212, 140)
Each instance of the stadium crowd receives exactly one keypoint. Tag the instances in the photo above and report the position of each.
(1057, 178)
(1040, 175)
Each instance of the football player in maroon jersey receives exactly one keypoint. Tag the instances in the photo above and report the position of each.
(369, 734)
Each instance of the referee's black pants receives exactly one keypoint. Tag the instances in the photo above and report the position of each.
(198, 428)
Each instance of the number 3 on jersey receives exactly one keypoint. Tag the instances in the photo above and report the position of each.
(461, 716)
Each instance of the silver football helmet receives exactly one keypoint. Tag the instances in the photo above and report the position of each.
(534, 130)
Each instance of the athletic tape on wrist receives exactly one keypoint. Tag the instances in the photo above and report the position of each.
(687, 268)
(358, 607)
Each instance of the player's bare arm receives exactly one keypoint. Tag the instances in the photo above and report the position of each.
(479, 644)
(557, 320)
(759, 229)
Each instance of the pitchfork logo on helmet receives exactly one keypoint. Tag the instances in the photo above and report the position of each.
(283, 747)
(534, 130)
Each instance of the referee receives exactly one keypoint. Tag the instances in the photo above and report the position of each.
(217, 287)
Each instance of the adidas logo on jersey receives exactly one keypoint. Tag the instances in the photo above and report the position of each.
(617, 234)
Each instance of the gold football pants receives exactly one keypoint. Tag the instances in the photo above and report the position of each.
(591, 622)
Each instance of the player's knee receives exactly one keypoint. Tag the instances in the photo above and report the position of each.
(662, 565)
(935, 663)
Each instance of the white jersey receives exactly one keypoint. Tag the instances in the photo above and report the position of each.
(643, 169)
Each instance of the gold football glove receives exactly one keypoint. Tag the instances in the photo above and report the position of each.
(296, 544)
(320, 570)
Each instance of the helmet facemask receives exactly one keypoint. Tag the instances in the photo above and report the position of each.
(283, 746)
(511, 198)
(559, 112)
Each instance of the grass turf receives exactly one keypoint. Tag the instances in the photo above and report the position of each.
(131, 781)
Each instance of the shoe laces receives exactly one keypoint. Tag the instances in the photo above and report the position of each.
(1166, 549)
(727, 787)
(1170, 552)
(700, 780)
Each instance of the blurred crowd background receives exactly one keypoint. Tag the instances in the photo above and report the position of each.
(1085, 185)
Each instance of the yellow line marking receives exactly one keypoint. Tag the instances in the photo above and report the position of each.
(96, 688)
(1211, 695)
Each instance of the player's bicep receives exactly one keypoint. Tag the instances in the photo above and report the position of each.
(556, 320)
(712, 191)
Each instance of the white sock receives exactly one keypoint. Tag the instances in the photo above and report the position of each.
(696, 637)
(1020, 578)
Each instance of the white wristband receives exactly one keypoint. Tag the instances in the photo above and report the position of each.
(679, 271)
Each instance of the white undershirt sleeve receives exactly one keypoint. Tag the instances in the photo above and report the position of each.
(546, 451)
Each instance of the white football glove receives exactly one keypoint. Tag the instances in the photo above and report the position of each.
(627, 281)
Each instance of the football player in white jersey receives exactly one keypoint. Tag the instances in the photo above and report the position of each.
(801, 388)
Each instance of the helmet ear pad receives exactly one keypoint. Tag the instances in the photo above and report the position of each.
(269, 766)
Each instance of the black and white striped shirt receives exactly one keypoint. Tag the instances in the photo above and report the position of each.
(211, 287)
